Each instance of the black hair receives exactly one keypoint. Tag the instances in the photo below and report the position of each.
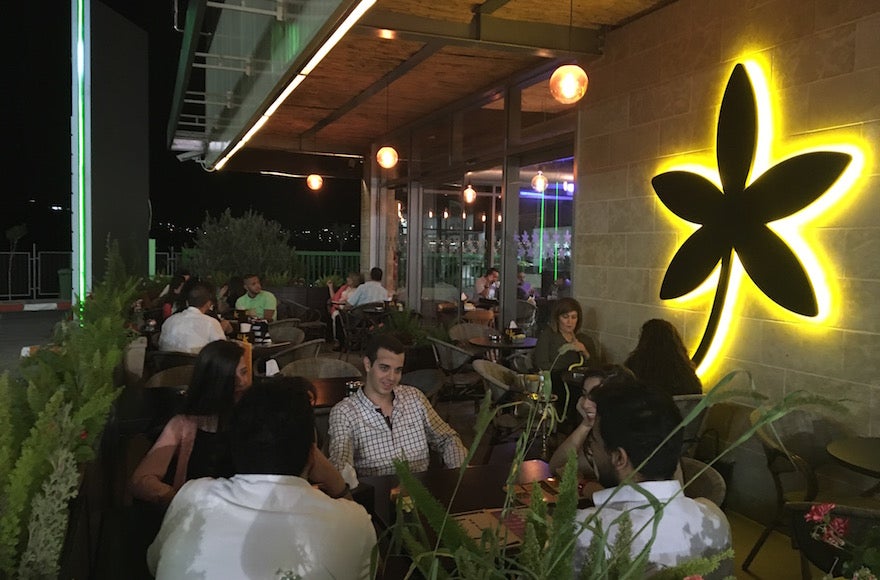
(212, 388)
(637, 418)
(661, 359)
(200, 294)
(376, 274)
(491, 271)
(564, 306)
(382, 340)
(272, 429)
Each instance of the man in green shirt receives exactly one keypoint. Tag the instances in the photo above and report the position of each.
(257, 302)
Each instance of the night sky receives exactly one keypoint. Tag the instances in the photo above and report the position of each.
(38, 160)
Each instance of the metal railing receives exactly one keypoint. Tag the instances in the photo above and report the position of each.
(34, 274)
(319, 264)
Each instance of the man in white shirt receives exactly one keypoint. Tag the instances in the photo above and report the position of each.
(632, 420)
(193, 328)
(485, 286)
(385, 420)
(371, 291)
(285, 514)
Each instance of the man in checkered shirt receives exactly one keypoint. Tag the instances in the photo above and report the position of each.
(386, 420)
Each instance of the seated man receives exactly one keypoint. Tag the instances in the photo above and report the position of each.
(371, 291)
(485, 286)
(257, 302)
(193, 328)
(267, 521)
(386, 420)
(632, 420)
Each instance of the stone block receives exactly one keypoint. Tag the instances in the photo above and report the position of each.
(861, 358)
(606, 116)
(635, 144)
(629, 284)
(821, 56)
(603, 250)
(867, 42)
(831, 13)
(650, 250)
(592, 217)
(607, 184)
(845, 100)
(634, 214)
(817, 350)
(660, 101)
(689, 133)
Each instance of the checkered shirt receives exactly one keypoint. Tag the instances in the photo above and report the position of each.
(360, 436)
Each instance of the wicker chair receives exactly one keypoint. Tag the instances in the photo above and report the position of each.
(526, 315)
(304, 350)
(702, 480)
(686, 404)
(462, 332)
(309, 318)
(358, 323)
(287, 331)
(429, 381)
(455, 362)
(320, 368)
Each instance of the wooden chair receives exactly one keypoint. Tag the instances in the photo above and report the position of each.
(304, 350)
(320, 368)
(480, 316)
(794, 446)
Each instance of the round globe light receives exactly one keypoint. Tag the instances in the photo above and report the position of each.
(539, 182)
(568, 84)
(387, 157)
(314, 181)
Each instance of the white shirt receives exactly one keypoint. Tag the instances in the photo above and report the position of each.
(189, 331)
(367, 292)
(261, 526)
(688, 527)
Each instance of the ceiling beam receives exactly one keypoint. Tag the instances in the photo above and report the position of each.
(195, 16)
(396, 73)
(485, 31)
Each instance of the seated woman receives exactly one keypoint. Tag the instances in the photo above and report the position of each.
(564, 329)
(661, 360)
(190, 444)
(338, 297)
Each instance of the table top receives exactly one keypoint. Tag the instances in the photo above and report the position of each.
(861, 454)
(330, 391)
(485, 342)
(482, 486)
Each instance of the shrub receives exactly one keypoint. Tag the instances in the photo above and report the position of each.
(240, 245)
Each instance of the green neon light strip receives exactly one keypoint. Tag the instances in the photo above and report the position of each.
(541, 238)
(81, 154)
(556, 227)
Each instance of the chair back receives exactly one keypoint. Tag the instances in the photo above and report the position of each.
(290, 309)
(358, 323)
(497, 379)
(526, 314)
(133, 359)
(287, 333)
(304, 350)
(702, 480)
(449, 357)
(686, 404)
(179, 376)
(159, 360)
(480, 316)
(462, 332)
(429, 381)
(320, 368)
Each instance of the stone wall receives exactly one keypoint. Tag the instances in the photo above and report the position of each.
(653, 101)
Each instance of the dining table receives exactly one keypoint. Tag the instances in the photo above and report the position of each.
(860, 454)
(486, 342)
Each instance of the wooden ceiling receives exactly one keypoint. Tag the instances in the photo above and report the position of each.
(407, 59)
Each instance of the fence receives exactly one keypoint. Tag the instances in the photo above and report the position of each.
(319, 264)
(33, 274)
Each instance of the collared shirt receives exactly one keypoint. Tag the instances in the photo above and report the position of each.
(361, 437)
(260, 303)
(367, 292)
(189, 331)
(688, 528)
(481, 285)
(261, 526)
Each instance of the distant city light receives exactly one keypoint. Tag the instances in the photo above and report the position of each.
(56, 207)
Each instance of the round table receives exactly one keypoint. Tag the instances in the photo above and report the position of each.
(484, 342)
(861, 454)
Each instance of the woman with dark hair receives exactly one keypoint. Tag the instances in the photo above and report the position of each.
(661, 360)
(171, 300)
(190, 444)
(564, 329)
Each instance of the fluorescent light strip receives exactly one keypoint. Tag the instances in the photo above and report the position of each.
(322, 52)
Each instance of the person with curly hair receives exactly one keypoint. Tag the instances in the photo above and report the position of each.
(661, 360)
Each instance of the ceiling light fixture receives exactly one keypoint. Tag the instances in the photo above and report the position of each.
(539, 182)
(568, 83)
(314, 181)
(470, 194)
(387, 156)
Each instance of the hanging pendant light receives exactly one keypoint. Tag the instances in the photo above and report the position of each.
(314, 181)
(568, 83)
(387, 156)
(539, 182)
(470, 194)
